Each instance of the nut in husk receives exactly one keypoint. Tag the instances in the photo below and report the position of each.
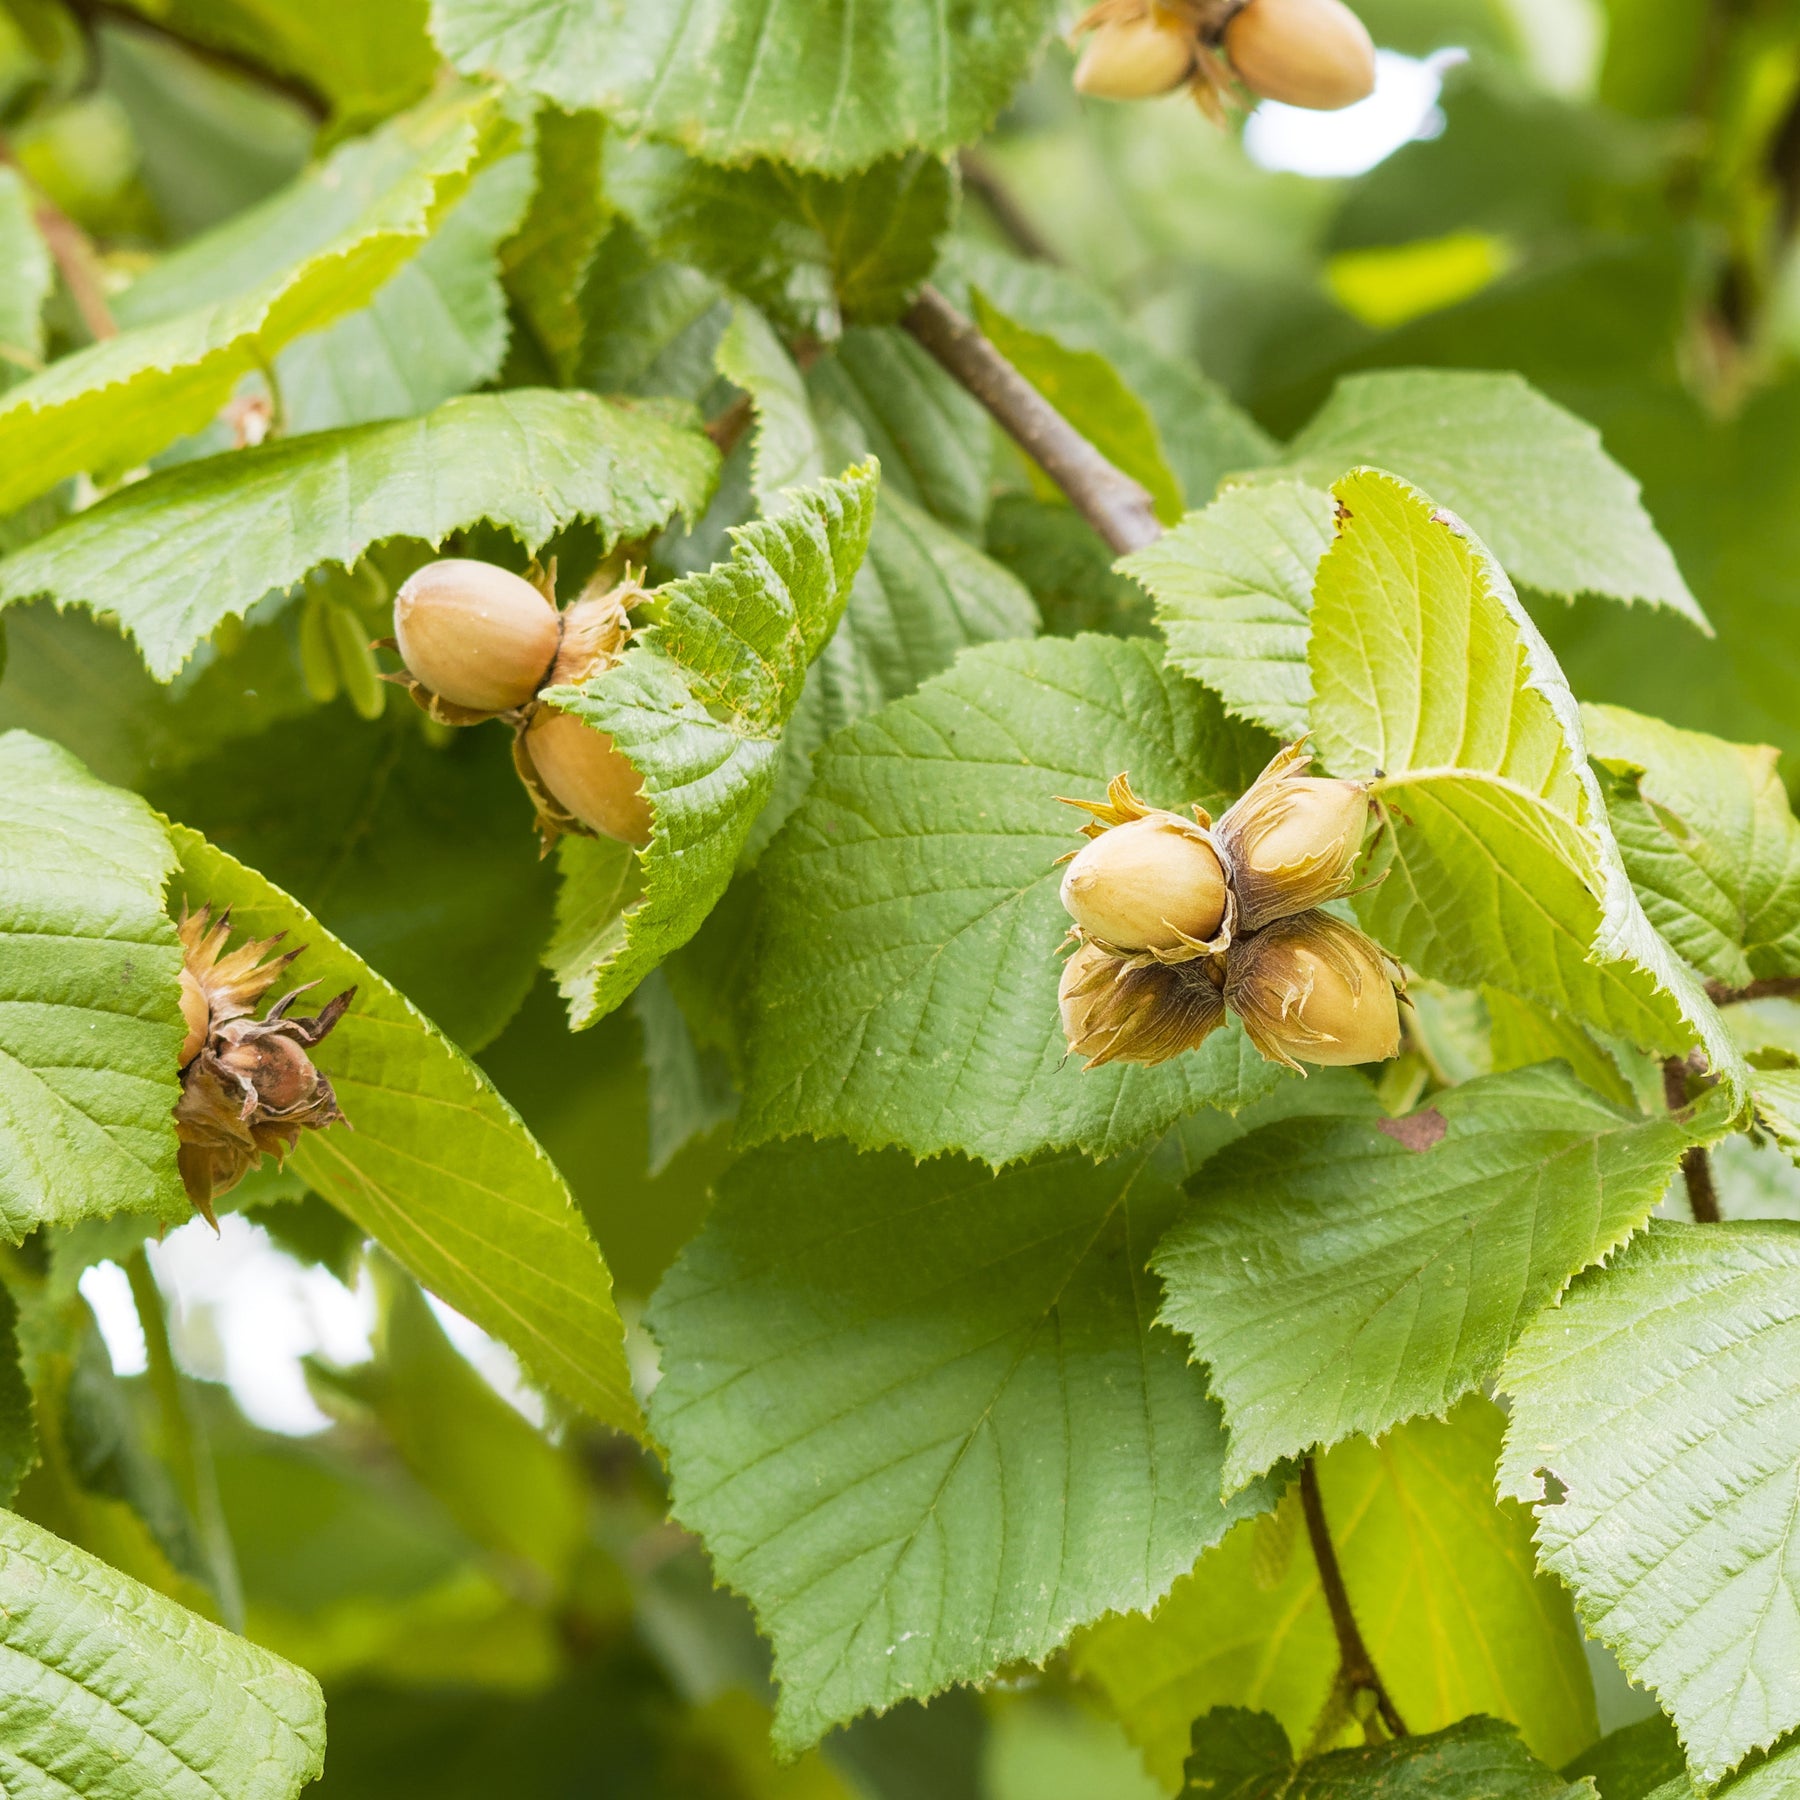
(1134, 1009)
(1313, 989)
(1135, 50)
(248, 1085)
(1147, 880)
(1292, 841)
(1311, 53)
(476, 639)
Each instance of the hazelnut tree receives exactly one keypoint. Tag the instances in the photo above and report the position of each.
(1011, 847)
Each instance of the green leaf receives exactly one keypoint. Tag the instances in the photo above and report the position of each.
(1532, 479)
(690, 1089)
(1203, 435)
(436, 1165)
(698, 708)
(1520, 1033)
(365, 61)
(224, 306)
(786, 450)
(1777, 1096)
(906, 992)
(652, 325)
(90, 1027)
(115, 1689)
(422, 859)
(1709, 839)
(1479, 1759)
(832, 87)
(1067, 567)
(27, 278)
(176, 553)
(1499, 865)
(1633, 1761)
(18, 1431)
(814, 252)
(437, 327)
(1089, 392)
(922, 1419)
(1654, 1426)
(547, 260)
(1441, 1579)
(1233, 587)
(1341, 1275)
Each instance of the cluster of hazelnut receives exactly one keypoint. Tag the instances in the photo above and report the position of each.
(1312, 53)
(481, 643)
(248, 1086)
(1181, 922)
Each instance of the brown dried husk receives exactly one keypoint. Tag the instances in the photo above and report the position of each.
(1135, 1009)
(251, 1088)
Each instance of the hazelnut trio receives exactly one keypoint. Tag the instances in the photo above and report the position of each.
(1311, 53)
(481, 643)
(1180, 922)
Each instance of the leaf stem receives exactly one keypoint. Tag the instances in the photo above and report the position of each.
(1696, 1164)
(72, 250)
(1356, 1668)
(1771, 987)
(1117, 507)
(184, 1443)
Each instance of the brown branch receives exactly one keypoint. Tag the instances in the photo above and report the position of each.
(1116, 506)
(726, 429)
(983, 180)
(71, 250)
(1696, 1165)
(1356, 1668)
(1771, 987)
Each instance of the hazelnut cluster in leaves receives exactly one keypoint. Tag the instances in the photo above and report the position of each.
(1181, 922)
(481, 643)
(1311, 53)
(248, 1085)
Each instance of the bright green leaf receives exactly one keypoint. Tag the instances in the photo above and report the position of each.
(1656, 1425)
(26, 279)
(1499, 865)
(1532, 479)
(178, 552)
(90, 1027)
(114, 1689)
(1521, 1032)
(18, 1431)
(907, 986)
(1233, 589)
(1341, 1275)
(436, 1165)
(831, 86)
(225, 305)
(1709, 839)
(923, 1420)
(698, 708)
(1441, 1579)
(1777, 1095)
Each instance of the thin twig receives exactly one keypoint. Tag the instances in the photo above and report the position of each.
(1696, 1165)
(1116, 506)
(1356, 1668)
(71, 250)
(727, 429)
(1771, 987)
(984, 181)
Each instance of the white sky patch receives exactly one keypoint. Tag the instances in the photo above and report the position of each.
(244, 1312)
(491, 1359)
(107, 1289)
(1402, 108)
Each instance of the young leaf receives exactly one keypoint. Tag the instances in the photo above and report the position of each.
(1233, 589)
(1777, 1095)
(1709, 839)
(698, 708)
(1340, 1275)
(1234, 1759)
(830, 86)
(114, 1689)
(1499, 866)
(922, 1418)
(435, 1164)
(27, 277)
(228, 303)
(176, 553)
(907, 987)
(813, 252)
(1532, 479)
(90, 1021)
(1656, 1425)
(1441, 1579)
